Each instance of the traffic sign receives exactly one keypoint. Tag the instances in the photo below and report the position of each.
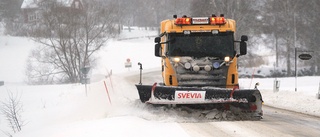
(85, 70)
(128, 64)
(305, 56)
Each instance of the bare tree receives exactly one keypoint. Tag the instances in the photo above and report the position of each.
(12, 109)
(284, 20)
(308, 32)
(69, 38)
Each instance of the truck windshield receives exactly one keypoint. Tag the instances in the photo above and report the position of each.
(201, 45)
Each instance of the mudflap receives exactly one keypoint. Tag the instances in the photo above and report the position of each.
(242, 101)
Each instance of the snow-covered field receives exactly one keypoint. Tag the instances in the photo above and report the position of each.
(67, 111)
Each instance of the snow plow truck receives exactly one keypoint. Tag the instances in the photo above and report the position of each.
(199, 66)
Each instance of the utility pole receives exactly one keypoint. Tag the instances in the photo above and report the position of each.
(303, 56)
(295, 68)
(140, 81)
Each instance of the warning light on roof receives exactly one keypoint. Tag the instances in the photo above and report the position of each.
(183, 21)
(217, 21)
(213, 20)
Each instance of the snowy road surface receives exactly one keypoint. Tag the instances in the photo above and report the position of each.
(276, 122)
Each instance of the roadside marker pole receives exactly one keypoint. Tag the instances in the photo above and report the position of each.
(109, 75)
(318, 94)
(254, 69)
(105, 85)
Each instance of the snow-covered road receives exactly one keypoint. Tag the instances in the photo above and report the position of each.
(276, 123)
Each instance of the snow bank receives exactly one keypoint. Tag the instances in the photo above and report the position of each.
(303, 100)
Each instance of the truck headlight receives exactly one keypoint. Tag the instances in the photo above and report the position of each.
(227, 59)
(176, 59)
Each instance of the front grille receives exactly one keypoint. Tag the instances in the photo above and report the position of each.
(215, 77)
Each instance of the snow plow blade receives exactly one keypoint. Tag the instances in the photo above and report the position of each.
(248, 100)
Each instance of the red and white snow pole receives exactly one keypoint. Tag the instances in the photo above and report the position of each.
(105, 85)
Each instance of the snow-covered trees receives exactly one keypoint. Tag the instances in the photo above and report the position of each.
(292, 24)
(277, 25)
(10, 16)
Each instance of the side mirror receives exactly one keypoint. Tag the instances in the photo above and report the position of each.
(244, 38)
(157, 40)
(243, 47)
(157, 50)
